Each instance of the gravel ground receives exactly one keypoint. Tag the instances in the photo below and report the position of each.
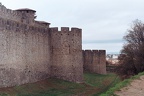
(136, 88)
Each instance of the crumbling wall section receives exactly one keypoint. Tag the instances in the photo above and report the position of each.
(66, 50)
(24, 53)
(94, 61)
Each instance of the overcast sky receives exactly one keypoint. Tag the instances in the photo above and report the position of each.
(104, 22)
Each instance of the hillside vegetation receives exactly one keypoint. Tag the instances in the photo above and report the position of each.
(118, 86)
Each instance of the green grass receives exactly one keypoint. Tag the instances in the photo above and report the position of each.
(94, 84)
(120, 85)
(98, 80)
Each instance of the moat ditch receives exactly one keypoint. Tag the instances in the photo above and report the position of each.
(93, 85)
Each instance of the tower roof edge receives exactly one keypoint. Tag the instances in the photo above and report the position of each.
(25, 9)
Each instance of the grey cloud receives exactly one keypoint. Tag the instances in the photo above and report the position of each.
(102, 41)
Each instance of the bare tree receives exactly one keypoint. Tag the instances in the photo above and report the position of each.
(132, 60)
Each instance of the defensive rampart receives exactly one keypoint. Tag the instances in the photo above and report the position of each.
(66, 50)
(24, 53)
(94, 61)
(31, 51)
(10, 14)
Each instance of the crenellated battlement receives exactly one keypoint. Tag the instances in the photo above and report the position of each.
(16, 26)
(31, 50)
(54, 29)
(25, 16)
(66, 47)
(9, 14)
(65, 29)
(100, 51)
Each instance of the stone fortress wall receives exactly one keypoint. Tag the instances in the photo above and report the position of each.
(9, 14)
(24, 53)
(31, 51)
(66, 46)
(94, 61)
(26, 16)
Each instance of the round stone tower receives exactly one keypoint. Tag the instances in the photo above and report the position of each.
(28, 15)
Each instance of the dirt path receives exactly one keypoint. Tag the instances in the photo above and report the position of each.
(136, 88)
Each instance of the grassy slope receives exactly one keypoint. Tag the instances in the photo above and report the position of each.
(93, 85)
(120, 85)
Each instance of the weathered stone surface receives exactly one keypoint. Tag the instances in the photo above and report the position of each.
(95, 61)
(31, 51)
(66, 49)
(25, 54)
